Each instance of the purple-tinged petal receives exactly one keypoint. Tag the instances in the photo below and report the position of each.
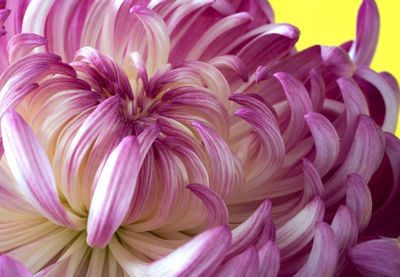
(391, 80)
(345, 227)
(336, 63)
(157, 38)
(12, 99)
(298, 231)
(4, 13)
(105, 115)
(261, 12)
(10, 267)
(198, 257)
(324, 253)
(300, 104)
(113, 193)
(245, 264)
(221, 161)
(142, 71)
(31, 168)
(379, 257)
(317, 90)
(364, 158)
(251, 230)
(230, 62)
(359, 200)
(356, 105)
(383, 90)
(262, 73)
(22, 44)
(269, 260)
(216, 208)
(364, 46)
(326, 139)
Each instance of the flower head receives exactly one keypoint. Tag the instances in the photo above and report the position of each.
(190, 138)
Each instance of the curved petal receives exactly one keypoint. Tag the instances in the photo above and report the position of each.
(324, 253)
(21, 44)
(317, 90)
(359, 200)
(10, 267)
(245, 264)
(326, 141)
(379, 257)
(230, 62)
(31, 168)
(113, 193)
(363, 49)
(269, 260)
(217, 211)
(221, 161)
(297, 232)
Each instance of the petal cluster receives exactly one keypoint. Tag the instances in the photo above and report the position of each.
(191, 138)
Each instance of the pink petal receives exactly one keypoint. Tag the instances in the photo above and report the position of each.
(262, 73)
(244, 264)
(142, 71)
(230, 62)
(221, 159)
(251, 230)
(326, 139)
(269, 260)
(217, 211)
(297, 232)
(22, 44)
(300, 104)
(379, 257)
(113, 193)
(345, 227)
(10, 267)
(31, 168)
(324, 253)
(363, 49)
(317, 91)
(359, 200)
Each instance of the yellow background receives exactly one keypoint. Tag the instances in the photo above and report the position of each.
(331, 22)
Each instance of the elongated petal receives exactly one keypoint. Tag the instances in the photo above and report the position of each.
(244, 264)
(230, 62)
(222, 166)
(363, 48)
(359, 200)
(298, 231)
(317, 91)
(324, 253)
(379, 257)
(10, 267)
(31, 168)
(21, 44)
(300, 104)
(251, 230)
(269, 260)
(113, 193)
(217, 211)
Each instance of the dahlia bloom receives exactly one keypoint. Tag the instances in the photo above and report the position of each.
(191, 138)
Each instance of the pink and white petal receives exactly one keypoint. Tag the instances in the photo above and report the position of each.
(230, 62)
(12, 99)
(300, 104)
(251, 230)
(262, 73)
(269, 260)
(345, 227)
(31, 168)
(114, 192)
(326, 139)
(324, 253)
(380, 257)
(10, 267)
(363, 49)
(221, 161)
(141, 69)
(157, 39)
(244, 264)
(386, 92)
(198, 257)
(298, 231)
(22, 44)
(216, 208)
(359, 200)
(104, 116)
(364, 158)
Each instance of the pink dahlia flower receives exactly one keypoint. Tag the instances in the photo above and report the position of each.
(190, 138)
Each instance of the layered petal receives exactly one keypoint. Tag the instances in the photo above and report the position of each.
(11, 267)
